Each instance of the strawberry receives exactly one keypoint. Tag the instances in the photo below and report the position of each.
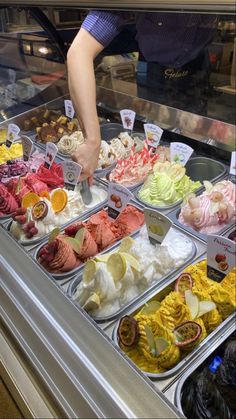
(72, 230)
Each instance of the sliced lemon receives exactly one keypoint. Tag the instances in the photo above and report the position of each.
(54, 233)
(89, 271)
(102, 258)
(116, 265)
(126, 244)
(192, 303)
(150, 308)
(76, 246)
(80, 235)
(150, 339)
(134, 263)
(161, 344)
(92, 303)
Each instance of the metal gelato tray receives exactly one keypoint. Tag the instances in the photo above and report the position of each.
(198, 365)
(79, 268)
(198, 249)
(204, 168)
(86, 213)
(159, 294)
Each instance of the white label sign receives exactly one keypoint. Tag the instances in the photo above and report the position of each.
(27, 145)
(180, 153)
(221, 256)
(69, 109)
(71, 173)
(153, 134)
(118, 198)
(232, 169)
(51, 152)
(12, 134)
(157, 224)
(127, 118)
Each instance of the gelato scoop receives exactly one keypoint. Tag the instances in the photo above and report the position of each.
(94, 235)
(8, 204)
(213, 210)
(167, 185)
(19, 167)
(169, 328)
(11, 153)
(69, 143)
(54, 130)
(119, 277)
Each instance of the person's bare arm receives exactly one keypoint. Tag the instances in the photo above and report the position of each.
(82, 86)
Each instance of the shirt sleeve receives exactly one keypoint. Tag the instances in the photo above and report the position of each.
(104, 26)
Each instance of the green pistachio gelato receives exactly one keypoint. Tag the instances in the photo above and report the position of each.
(167, 185)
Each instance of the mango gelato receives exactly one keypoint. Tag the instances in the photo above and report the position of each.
(167, 185)
(10, 153)
(171, 328)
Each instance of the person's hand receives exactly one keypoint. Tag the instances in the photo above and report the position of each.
(87, 156)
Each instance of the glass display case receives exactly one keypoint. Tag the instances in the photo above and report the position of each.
(72, 363)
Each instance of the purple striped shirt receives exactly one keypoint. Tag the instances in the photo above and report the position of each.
(171, 39)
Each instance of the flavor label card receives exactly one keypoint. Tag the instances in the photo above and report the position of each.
(221, 256)
(69, 109)
(180, 153)
(118, 198)
(12, 134)
(157, 224)
(27, 145)
(51, 152)
(127, 118)
(153, 134)
(232, 169)
(71, 173)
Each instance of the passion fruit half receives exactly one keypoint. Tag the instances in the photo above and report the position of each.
(183, 283)
(187, 334)
(128, 331)
(39, 210)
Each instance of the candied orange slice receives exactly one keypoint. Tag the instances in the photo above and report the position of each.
(45, 194)
(29, 200)
(58, 200)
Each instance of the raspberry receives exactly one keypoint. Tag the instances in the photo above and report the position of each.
(21, 211)
(31, 224)
(29, 235)
(34, 231)
(52, 247)
(41, 252)
(21, 219)
(72, 230)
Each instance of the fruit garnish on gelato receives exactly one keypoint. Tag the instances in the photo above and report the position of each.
(134, 169)
(167, 185)
(52, 209)
(213, 210)
(11, 153)
(8, 204)
(182, 320)
(88, 238)
(119, 277)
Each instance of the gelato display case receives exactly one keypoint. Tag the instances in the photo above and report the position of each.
(71, 277)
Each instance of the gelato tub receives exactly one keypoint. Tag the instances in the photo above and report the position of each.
(128, 272)
(203, 168)
(211, 212)
(86, 238)
(208, 388)
(48, 210)
(166, 333)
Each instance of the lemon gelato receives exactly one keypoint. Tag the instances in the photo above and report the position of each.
(10, 153)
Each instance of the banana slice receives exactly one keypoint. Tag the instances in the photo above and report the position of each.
(134, 263)
(92, 303)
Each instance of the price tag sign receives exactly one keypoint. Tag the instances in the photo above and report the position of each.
(27, 145)
(51, 152)
(221, 256)
(157, 224)
(153, 134)
(232, 169)
(180, 153)
(12, 134)
(71, 173)
(127, 118)
(69, 109)
(118, 198)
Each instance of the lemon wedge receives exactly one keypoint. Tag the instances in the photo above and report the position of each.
(102, 258)
(116, 265)
(126, 244)
(161, 344)
(89, 271)
(134, 263)
(92, 302)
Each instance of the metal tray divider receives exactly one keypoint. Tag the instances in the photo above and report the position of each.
(108, 319)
